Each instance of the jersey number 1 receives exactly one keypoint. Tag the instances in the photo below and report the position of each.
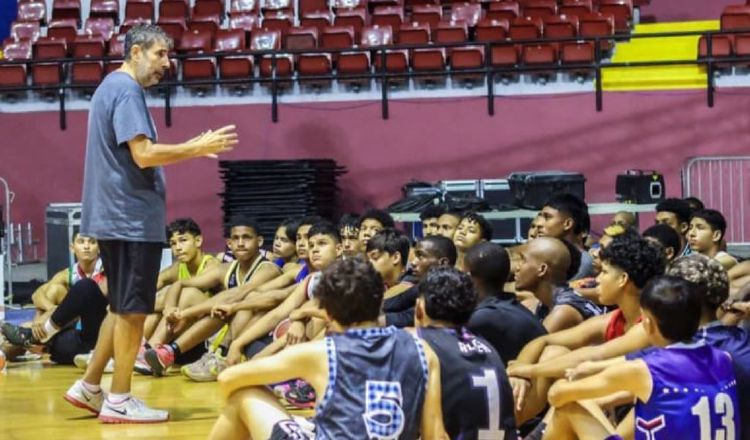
(724, 407)
(488, 381)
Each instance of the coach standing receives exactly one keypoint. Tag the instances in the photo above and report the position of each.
(124, 208)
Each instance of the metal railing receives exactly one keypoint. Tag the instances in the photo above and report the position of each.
(488, 71)
(722, 183)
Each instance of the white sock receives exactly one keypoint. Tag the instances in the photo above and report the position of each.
(50, 329)
(91, 387)
(117, 399)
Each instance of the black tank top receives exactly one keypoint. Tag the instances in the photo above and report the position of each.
(477, 397)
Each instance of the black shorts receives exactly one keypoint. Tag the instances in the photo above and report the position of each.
(132, 269)
(290, 430)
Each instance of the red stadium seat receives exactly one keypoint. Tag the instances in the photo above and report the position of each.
(490, 30)
(233, 66)
(208, 8)
(48, 74)
(277, 6)
(354, 17)
(173, 9)
(337, 37)
(65, 29)
(116, 50)
(392, 16)
(100, 26)
(36, 11)
(576, 7)
(309, 6)
(504, 11)
(277, 21)
(411, 4)
(357, 63)
(245, 22)
(430, 14)
(143, 9)
(62, 9)
(735, 17)
(540, 8)
(413, 33)
(597, 24)
(243, 7)
(130, 22)
(271, 40)
(741, 48)
(15, 75)
(205, 23)
(25, 31)
(622, 10)
(525, 28)
(721, 46)
(87, 72)
(560, 26)
(174, 27)
(301, 38)
(199, 68)
(317, 19)
(105, 9)
(469, 13)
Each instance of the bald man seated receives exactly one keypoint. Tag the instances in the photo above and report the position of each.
(624, 218)
(545, 265)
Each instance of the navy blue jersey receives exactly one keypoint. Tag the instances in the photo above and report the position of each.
(477, 399)
(377, 379)
(694, 395)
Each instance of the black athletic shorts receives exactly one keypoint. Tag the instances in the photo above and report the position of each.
(290, 430)
(132, 269)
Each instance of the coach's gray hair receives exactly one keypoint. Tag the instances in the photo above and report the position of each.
(145, 35)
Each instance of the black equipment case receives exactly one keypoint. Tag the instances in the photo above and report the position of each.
(532, 189)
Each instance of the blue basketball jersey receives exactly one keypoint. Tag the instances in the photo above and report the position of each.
(736, 342)
(694, 395)
(303, 273)
(376, 386)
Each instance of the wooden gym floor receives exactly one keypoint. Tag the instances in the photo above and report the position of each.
(32, 407)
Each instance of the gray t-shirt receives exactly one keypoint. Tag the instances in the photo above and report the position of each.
(120, 200)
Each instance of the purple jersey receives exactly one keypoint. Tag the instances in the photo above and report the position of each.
(694, 395)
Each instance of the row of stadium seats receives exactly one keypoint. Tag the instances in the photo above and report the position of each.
(733, 18)
(235, 62)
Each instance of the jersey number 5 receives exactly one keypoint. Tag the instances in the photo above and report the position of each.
(488, 381)
(724, 407)
(384, 418)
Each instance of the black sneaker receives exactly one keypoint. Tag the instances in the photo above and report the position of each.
(18, 335)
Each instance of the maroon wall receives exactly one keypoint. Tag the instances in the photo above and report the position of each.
(685, 10)
(424, 139)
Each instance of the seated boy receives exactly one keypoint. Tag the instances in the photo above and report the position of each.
(185, 241)
(685, 390)
(429, 218)
(372, 221)
(472, 230)
(706, 234)
(371, 382)
(477, 400)
(59, 303)
(349, 231)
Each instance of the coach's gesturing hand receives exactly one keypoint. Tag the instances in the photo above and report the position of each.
(213, 142)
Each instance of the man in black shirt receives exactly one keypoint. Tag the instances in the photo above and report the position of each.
(499, 317)
(477, 399)
(429, 252)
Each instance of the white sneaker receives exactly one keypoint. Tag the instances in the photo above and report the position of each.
(82, 361)
(78, 396)
(131, 410)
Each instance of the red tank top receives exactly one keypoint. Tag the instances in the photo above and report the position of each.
(616, 325)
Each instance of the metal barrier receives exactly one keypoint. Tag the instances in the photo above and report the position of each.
(488, 71)
(722, 183)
